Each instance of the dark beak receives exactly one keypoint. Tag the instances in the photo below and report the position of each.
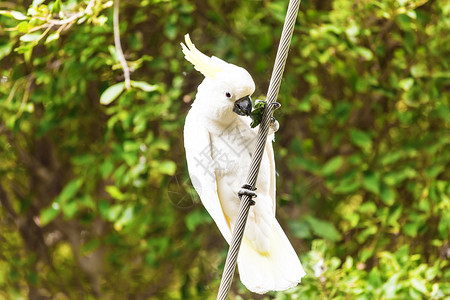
(243, 106)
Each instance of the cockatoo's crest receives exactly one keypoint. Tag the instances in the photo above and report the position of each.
(208, 66)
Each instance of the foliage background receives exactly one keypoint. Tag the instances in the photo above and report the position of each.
(95, 201)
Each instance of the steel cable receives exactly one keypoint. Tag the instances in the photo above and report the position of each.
(246, 201)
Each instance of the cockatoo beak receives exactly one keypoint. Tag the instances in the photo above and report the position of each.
(243, 106)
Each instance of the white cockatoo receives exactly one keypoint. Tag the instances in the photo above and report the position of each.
(219, 143)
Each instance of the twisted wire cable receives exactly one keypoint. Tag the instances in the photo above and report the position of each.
(246, 201)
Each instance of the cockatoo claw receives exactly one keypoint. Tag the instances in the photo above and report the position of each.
(247, 189)
(276, 105)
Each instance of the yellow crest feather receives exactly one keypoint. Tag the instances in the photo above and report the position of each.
(202, 63)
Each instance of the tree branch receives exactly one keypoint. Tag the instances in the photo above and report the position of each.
(119, 51)
(74, 17)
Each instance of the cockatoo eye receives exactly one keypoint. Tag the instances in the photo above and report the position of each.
(228, 94)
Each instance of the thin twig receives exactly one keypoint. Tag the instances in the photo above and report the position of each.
(119, 51)
(87, 10)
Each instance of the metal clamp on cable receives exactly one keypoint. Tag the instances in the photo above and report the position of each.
(248, 190)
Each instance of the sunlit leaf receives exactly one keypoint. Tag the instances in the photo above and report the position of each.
(166, 167)
(146, 87)
(30, 37)
(37, 2)
(419, 285)
(15, 14)
(111, 93)
(332, 165)
(406, 83)
(52, 37)
(5, 50)
(114, 192)
(69, 190)
(125, 218)
(49, 214)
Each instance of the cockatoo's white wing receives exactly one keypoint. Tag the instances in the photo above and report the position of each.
(272, 188)
(197, 143)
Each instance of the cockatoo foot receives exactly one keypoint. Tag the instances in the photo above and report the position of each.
(274, 125)
(275, 105)
(247, 189)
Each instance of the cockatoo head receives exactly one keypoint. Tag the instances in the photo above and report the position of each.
(225, 92)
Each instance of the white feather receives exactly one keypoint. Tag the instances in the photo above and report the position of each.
(197, 144)
(279, 270)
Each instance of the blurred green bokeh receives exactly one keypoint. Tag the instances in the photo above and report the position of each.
(95, 200)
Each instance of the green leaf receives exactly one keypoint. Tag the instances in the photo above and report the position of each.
(167, 167)
(364, 52)
(419, 285)
(170, 28)
(444, 225)
(69, 190)
(360, 138)
(14, 14)
(256, 119)
(300, 229)
(52, 37)
(419, 70)
(362, 237)
(56, 6)
(277, 9)
(111, 93)
(125, 218)
(5, 50)
(90, 246)
(18, 15)
(387, 195)
(70, 209)
(86, 201)
(374, 278)
(411, 229)
(371, 182)
(37, 2)
(146, 87)
(390, 286)
(114, 192)
(30, 37)
(103, 208)
(346, 187)
(49, 214)
(106, 168)
(323, 229)
(368, 208)
(257, 114)
(406, 83)
(332, 165)
(196, 218)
